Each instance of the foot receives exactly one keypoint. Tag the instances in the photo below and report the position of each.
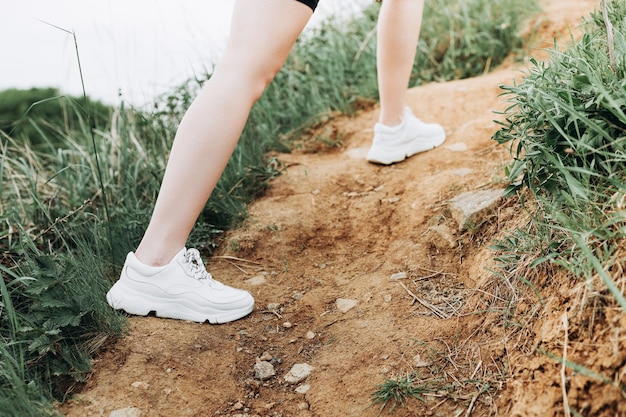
(412, 136)
(182, 289)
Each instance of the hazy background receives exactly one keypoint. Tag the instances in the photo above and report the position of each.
(133, 49)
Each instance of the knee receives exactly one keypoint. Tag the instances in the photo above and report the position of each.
(247, 79)
(260, 79)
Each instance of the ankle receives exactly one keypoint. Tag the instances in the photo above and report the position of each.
(154, 258)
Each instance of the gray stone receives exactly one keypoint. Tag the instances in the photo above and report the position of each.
(256, 281)
(345, 304)
(264, 370)
(398, 276)
(298, 373)
(468, 208)
(303, 389)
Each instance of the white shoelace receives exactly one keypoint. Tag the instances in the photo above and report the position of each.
(195, 264)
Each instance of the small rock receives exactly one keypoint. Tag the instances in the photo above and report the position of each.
(445, 237)
(297, 295)
(256, 281)
(273, 306)
(345, 304)
(140, 384)
(387, 298)
(398, 276)
(266, 356)
(310, 335)
(264, 370)
(467, 208)
(126, 412)
(303, 389)
(238, 406)
(287, 325)
(303, 406)
(298, 373)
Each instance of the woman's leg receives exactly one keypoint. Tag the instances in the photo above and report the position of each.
(398, 133)
(399, 24)
(262, 34)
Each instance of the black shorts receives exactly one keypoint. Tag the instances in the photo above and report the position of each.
(311, 3)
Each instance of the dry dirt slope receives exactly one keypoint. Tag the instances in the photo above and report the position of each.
(335, 227)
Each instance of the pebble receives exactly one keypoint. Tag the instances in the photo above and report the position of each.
(310, 335)
(345, 304)
(387, 298)
(398, 276)
(264, 370)
(266, 356)
(256, 281)
(287, 325)
(303, 389)
(298, 373)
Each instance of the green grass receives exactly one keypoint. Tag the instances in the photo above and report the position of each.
(566, 126)
(567, 129)
(76, 197)
(395, 391)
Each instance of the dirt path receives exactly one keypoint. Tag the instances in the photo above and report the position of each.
(334, 226)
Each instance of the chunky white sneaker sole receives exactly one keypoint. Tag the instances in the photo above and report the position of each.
(120, 297)
(182, 289)
(379, 154)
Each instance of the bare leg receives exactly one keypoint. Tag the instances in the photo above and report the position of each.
(398, 133)
(399, 24)
(262, 34)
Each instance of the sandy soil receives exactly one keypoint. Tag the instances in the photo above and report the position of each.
(334, 226)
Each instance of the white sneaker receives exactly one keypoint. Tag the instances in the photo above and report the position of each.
(412, 136)
(182, 289)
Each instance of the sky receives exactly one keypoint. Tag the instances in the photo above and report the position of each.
(131, 50)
